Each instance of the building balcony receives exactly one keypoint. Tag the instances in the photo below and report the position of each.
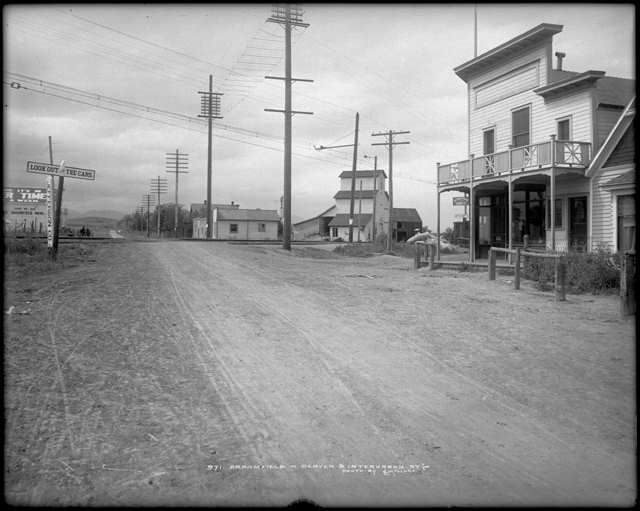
(520, 160)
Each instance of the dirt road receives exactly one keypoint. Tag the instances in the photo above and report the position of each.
(207, 373)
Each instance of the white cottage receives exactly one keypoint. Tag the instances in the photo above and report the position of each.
(540, 144)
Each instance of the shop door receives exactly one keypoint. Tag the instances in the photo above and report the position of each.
(578, 223)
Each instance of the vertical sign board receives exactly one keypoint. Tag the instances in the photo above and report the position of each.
(50, 211)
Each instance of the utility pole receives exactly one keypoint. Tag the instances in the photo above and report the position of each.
(147, 198)
(209, 108)
(179, 162)
(158, 185)
(390, 143)
(287, 16)
(359, 210)
(375, 195)
(353, 173)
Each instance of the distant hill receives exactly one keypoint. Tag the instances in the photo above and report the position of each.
(102, 213)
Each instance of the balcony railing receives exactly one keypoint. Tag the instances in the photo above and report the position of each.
(518, 159)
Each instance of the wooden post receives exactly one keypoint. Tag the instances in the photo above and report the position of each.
(438, 209)
(416, 261)
(561, 276)
(552, 212)
(432, 253)
(472, 255)
(516, 270)
(492, 264)
(627, 278)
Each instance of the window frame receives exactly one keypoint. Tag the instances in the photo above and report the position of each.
(567, 119)
(514, 111)
(233, 228)
(558, 211)
(262, 227)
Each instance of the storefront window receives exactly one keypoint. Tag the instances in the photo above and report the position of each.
(626, 223)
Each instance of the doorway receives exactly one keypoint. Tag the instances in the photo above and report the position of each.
(578, 223)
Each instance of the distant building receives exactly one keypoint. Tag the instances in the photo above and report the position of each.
(369, 195)
(406, 222)
(316, 228)
(232, 223)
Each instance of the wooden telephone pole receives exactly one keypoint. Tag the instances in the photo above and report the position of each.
(390, 143)
(287, 16)
(178, 162)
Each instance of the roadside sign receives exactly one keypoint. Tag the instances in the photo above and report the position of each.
(50, 211)
(460, 201)
(60, 170)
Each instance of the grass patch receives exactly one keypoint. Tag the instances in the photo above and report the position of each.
(31, 255)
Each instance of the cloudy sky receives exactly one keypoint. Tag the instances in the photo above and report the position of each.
(116, 87)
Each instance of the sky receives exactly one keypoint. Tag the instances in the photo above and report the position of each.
(116, 88)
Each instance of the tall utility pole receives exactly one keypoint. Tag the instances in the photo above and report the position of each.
(209, 108)
(375, 195)
(178, 162)
(390, 143)
(159, 185)
(147, 198)
(287, 15)
(359, 210)
(353, 173)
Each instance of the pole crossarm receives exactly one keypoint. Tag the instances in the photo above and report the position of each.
(392, 143)
(321, 147)
(290, 79)
(287, 111)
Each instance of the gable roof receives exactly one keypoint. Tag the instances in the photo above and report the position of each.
(406, 215)
(263, 215)
(611, 90)
(499, 53)
(324, 213)
(611, 142)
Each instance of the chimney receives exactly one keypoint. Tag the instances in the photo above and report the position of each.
(560, 56)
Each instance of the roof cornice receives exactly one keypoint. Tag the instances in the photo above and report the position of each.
(588, 77)
(528, 39)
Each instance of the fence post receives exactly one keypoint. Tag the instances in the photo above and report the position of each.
(561, 277)
(432, 253)
(627, 277)
(492, 264)
(516, 274)
(416, 260)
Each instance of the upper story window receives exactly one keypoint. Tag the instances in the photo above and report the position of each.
(520, 127)
(564, 129)
(489, 141)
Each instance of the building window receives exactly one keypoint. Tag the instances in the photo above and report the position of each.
(334, 232)
(520, 127)
(564, 129)
(558, 214)
(233, 228)
(626, 223)
(262, 227)
(489, 141)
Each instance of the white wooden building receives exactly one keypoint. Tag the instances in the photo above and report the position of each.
(539, 139)
(232, 223)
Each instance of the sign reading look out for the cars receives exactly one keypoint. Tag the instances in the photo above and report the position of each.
(56, 170)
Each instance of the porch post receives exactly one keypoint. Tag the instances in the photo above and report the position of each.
(438, 212)
(552, 205)
(510, 227)
(472, 243)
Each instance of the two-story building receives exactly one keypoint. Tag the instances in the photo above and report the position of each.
(550, 151)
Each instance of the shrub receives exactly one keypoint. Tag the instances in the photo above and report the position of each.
(591, 272)
(28, 245)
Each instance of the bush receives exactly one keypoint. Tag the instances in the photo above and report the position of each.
(591, 272)
(28, 245)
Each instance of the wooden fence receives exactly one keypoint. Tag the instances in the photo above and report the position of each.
(560, 273)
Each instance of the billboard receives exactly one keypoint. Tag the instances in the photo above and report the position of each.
(25, 209)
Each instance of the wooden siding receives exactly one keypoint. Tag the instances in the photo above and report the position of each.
(624, 152)
(510, 84)
(603, 209)
(367, 183)
(344, 205)
(606, 119)
(543, 114)
(247, 230)
(566, 187)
